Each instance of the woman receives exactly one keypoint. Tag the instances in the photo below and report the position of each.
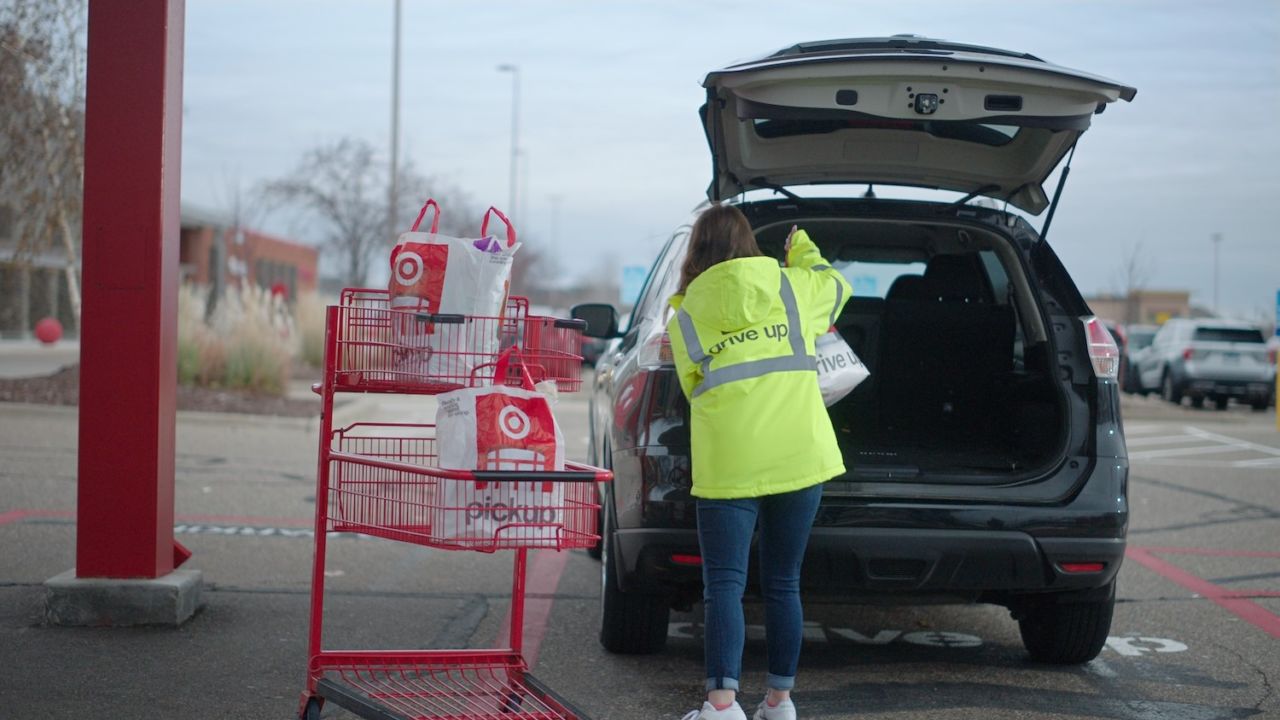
(743, 337)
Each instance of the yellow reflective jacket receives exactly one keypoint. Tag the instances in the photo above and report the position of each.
(742, 337)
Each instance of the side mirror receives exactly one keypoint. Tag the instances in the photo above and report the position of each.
(601, 319)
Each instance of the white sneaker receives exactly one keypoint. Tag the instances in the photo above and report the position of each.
(709, 712)
(785, 710)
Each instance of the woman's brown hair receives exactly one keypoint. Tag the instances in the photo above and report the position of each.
(720, 233)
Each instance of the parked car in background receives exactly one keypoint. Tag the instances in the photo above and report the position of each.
(1137, 339)
(985, 458)
(1208, 359)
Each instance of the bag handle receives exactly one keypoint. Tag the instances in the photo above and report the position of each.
(484, 225)
(435, 220)
(504, 361)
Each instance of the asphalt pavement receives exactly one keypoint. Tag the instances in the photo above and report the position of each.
(1196, 634)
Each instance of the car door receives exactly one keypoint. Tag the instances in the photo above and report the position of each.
(903, 110)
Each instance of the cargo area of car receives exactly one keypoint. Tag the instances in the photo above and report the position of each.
(962, 387)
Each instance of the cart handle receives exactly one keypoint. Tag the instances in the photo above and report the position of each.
(580, 473)
(511, 229)
(435, 220)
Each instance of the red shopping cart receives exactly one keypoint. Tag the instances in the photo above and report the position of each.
(382, 480)
(397, 349)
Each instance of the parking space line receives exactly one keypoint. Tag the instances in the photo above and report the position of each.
(1178, 452)
(1228, 600)
(1144, 441)
(1234, 442)
(543, 577)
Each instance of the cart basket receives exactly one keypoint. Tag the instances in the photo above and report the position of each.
(380, 348)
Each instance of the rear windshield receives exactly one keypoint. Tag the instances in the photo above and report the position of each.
(1231, 335)
(872, 279)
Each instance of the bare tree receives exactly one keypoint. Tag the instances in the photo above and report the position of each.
(42, 83)
(1132, 277)
(344, 186)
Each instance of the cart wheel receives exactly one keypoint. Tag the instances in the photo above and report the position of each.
(512, 703)
(311, 711)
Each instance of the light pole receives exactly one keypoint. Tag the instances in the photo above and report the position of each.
(515, 131)
(393, 191)
(1217, 240)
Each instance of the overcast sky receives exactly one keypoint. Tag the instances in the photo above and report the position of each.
(610, 90)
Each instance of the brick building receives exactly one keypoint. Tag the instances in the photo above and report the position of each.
(211, 252)
(215, 253)
(1148, 307)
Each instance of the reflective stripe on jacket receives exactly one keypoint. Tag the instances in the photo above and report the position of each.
(742, 337)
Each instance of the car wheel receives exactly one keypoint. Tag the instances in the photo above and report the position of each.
(1261, 405)
(1168, 391)
(631, 623)
(1066, 633)
(1221, 403)
(1197, 402)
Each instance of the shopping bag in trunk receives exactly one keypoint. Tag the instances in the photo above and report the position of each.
(839, 369)
(466, 280)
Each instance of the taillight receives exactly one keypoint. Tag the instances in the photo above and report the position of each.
(1103, 352)
(656, 351)
(1082, 567)
(1188, 354)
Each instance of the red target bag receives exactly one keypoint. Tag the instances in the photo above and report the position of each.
(434, 274)
(498, 427)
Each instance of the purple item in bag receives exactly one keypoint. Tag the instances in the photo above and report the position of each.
(488, 244)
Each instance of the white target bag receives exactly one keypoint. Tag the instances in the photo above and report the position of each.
(466, 279)
(839, 369)
(499, 428)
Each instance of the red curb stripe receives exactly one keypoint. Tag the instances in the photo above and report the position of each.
(1209, 552)
(1246, 610)
(12, 516)
(543, 577)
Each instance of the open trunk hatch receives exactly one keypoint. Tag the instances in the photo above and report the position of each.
(899, 111)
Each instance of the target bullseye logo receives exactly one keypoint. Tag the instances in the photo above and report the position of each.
(513, 422)
(408, 267)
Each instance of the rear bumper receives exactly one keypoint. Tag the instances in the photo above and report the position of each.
(1205, 387)
(844, 562)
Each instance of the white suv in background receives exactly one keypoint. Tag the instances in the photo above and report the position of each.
(1208, 359)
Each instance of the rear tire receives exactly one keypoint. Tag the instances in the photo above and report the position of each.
(1066, 633)
(1168, 391)
(1261, 405)
(631, 623)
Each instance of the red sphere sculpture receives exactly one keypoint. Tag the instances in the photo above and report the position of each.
(48, 331)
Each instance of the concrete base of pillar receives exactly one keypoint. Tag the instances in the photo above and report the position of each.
(168, 600)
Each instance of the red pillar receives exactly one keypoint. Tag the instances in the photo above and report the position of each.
(128, 335)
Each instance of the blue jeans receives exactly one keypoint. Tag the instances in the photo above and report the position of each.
(725, 528)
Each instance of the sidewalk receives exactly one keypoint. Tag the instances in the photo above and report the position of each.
(245, 505)
(31, 358)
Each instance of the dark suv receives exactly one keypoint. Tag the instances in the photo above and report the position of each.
(985, 456)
